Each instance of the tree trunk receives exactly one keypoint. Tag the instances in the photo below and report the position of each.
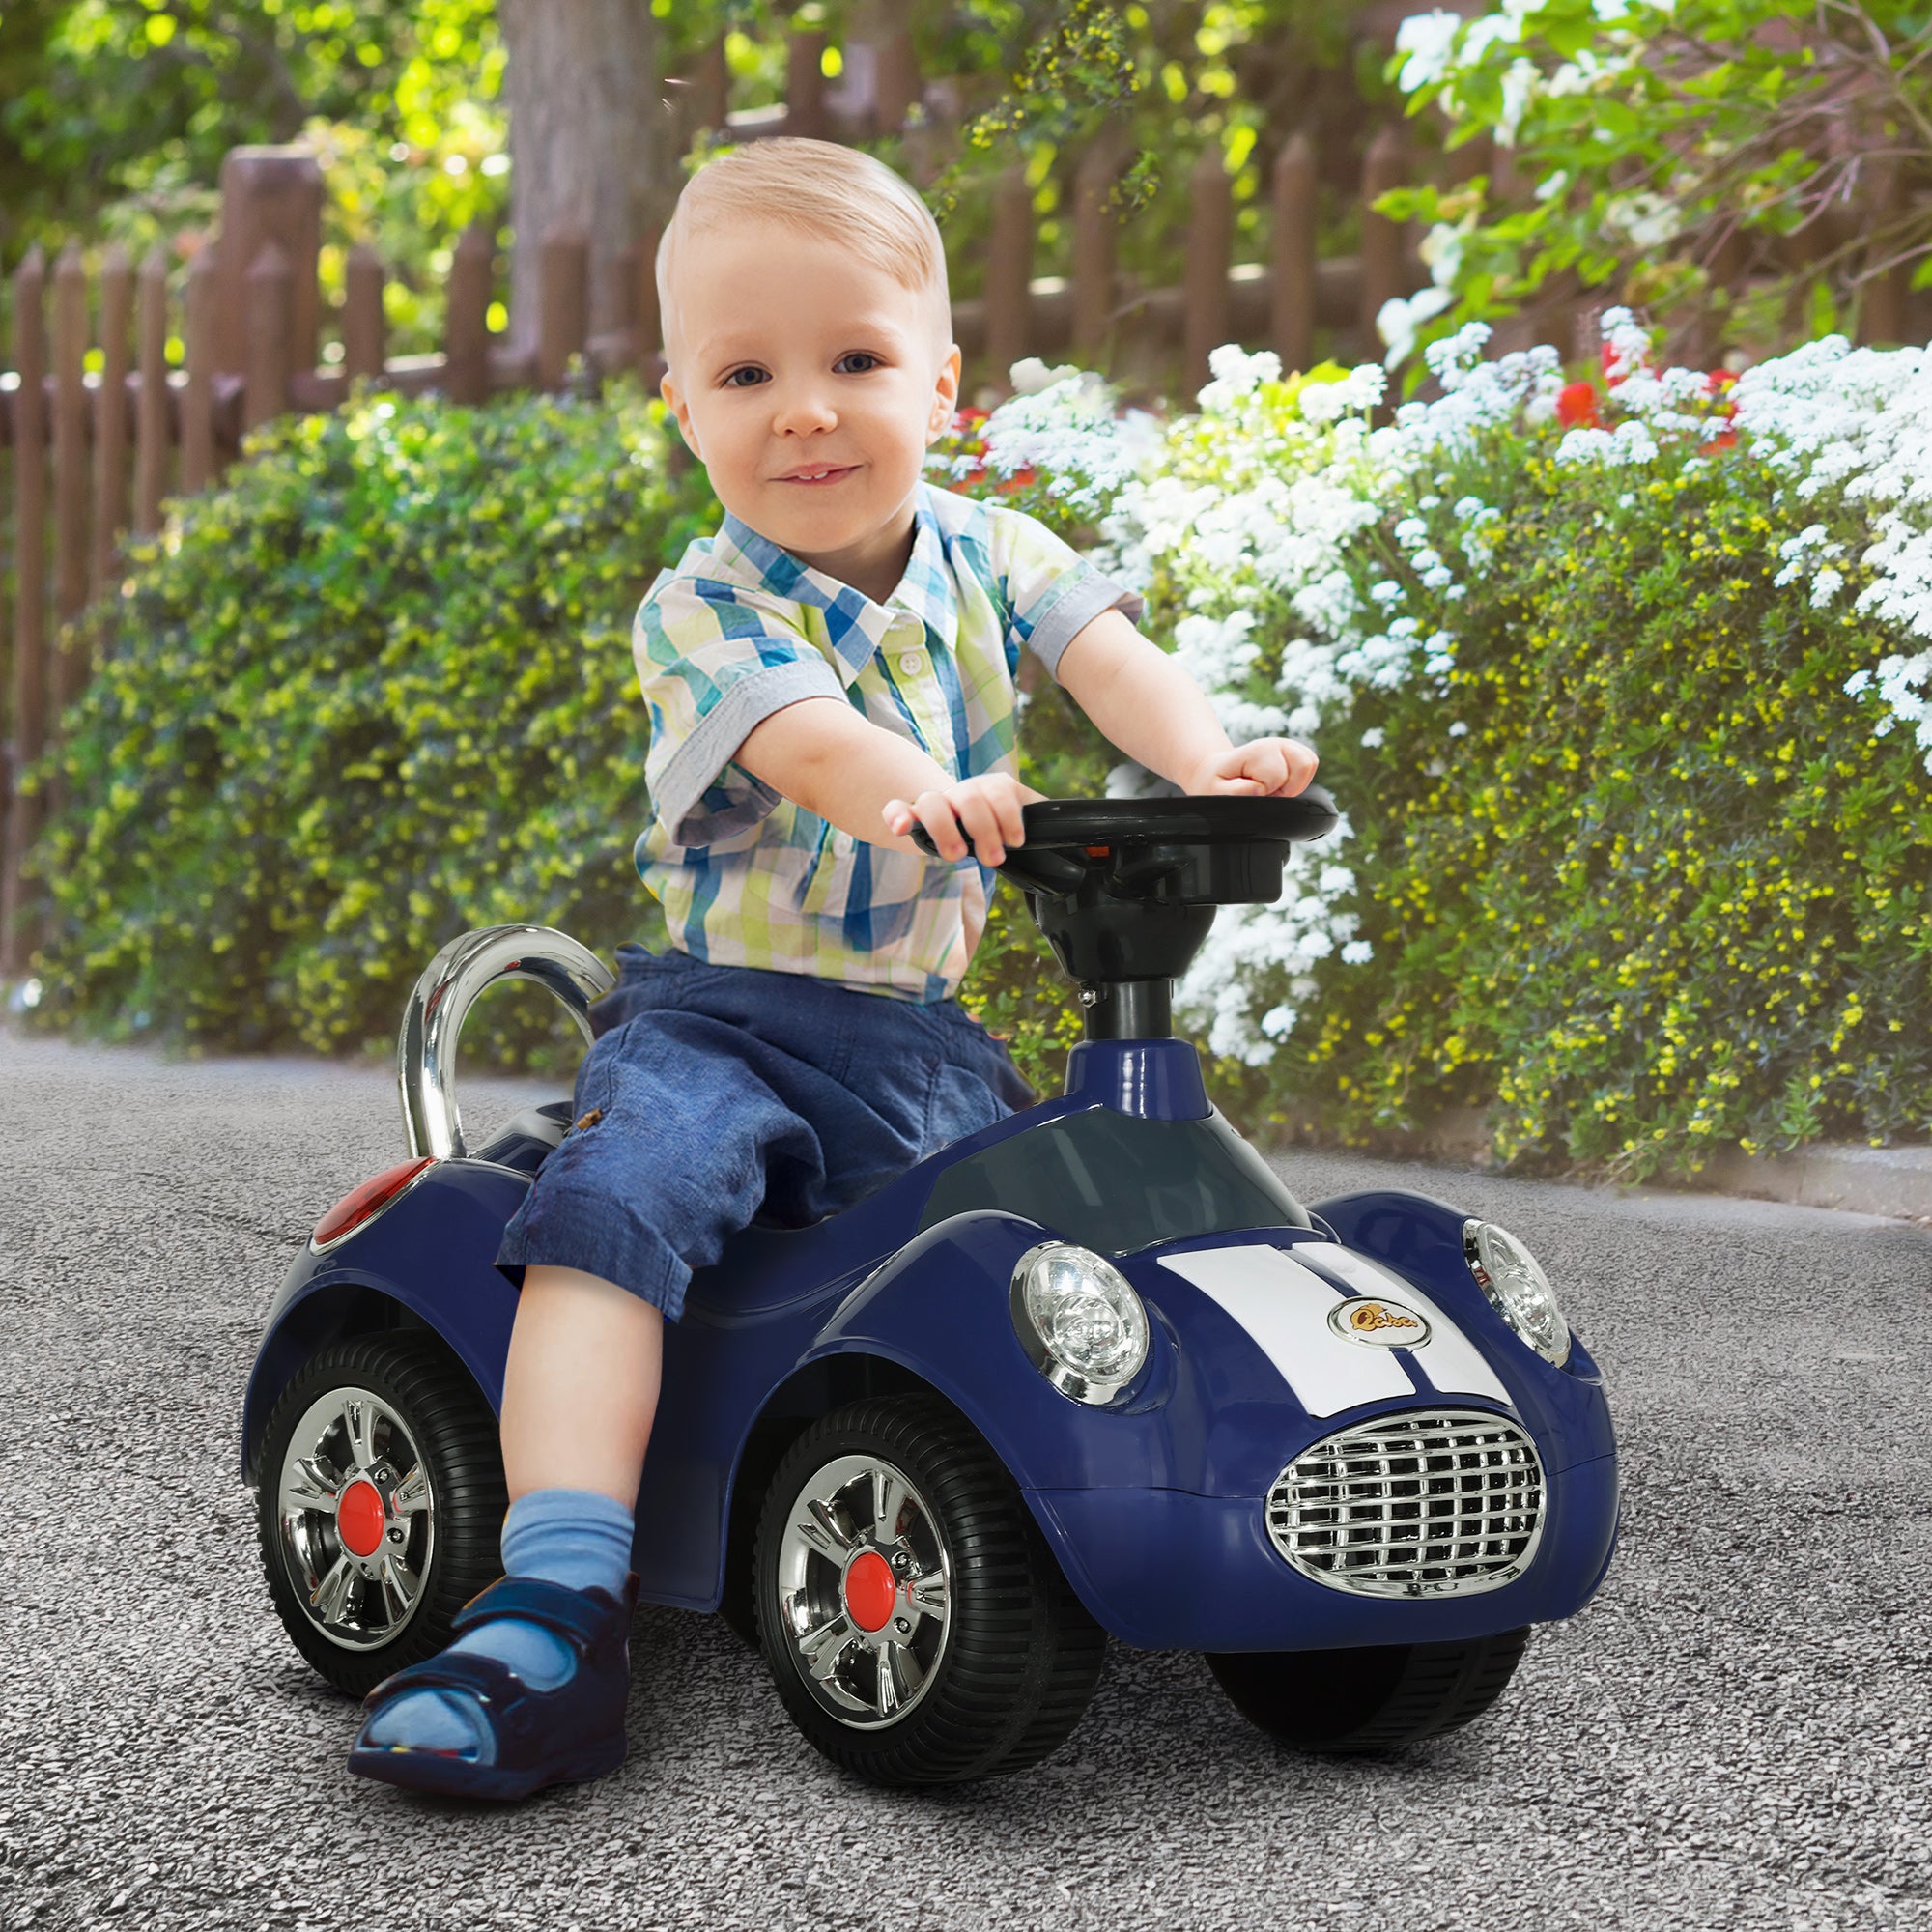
(589, 145)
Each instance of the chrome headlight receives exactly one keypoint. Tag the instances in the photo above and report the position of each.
(1079, 1320)
(1509, 1274)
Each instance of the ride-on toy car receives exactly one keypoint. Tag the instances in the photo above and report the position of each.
(1090, 1370)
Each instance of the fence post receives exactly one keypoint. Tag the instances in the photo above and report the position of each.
(269, 307)
(269, 194)
(197, 403)
(364, 327)
(17, 934)
(804, 85)
(1291, 253)
(1008, 304)
(69, 463)
(1381, 239)
(151, 415)
(1881, 307)
(898, 82)
(1093, 250)
(466, 341)
(110, 417)
(711, 87)
(564, 272)
(1209, 234)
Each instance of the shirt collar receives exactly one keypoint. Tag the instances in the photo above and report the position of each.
(855, 624)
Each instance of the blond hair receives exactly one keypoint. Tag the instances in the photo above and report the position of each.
(822, 189)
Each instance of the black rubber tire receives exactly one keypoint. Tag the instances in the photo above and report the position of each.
(1369, 1699)
(1021, 1657)
(440, 1404)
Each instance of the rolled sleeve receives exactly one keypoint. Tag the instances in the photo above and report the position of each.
(713, 661)
(1051, 592)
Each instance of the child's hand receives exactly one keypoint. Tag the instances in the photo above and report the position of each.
(1265, 768)
(987, 807)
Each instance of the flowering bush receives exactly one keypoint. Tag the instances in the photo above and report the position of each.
(1633, 852)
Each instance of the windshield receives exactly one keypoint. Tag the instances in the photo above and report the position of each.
(1115, 1182)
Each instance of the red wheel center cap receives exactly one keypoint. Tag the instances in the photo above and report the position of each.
(869, 1589)
(359, 1518)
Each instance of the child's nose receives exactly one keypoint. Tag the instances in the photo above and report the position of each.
(802, 409)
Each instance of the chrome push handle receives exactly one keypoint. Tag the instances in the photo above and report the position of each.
(450, 983)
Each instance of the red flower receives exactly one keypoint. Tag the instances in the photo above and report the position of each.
(1577, 406)
(1018, 480)
(1725, 439)
(1718, 381)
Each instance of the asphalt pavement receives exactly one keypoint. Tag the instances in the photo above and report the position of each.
(1734, 1734)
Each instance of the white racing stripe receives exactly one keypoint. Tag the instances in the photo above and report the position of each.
(1285, 1309)
(1449, 1359)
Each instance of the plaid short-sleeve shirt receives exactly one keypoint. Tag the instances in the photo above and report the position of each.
(740, 629)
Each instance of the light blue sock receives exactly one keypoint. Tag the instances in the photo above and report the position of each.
(574, 1536)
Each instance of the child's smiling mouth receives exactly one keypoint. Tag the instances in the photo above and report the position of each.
(819, 473)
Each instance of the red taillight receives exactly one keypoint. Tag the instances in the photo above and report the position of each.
(365, 1203)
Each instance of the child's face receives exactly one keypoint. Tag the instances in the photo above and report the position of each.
(791, 359)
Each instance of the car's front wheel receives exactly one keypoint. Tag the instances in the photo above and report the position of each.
(381, 1505)
(916, 1624)
(1369, 1699)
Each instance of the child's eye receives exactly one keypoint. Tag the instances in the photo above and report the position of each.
(861, 356)
(732, 381)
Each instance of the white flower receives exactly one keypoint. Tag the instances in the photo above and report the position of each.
(1522, 83)
(1372, 738)
(1426, 39)
(1357, 952)
(1646, 220)
(1398, 319)
(1030, 375)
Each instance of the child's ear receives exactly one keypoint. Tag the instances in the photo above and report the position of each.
(681, 409)
(945, 396)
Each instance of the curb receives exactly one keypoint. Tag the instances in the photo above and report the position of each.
(1861, 1180)
(1843, 1175)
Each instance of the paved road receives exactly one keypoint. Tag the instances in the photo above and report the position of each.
(1733, 1735)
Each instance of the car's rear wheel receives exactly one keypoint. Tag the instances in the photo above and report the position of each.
(916, 1624)
(381, 1506)
(1369, 1699)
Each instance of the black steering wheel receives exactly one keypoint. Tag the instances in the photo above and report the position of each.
(1214, 850)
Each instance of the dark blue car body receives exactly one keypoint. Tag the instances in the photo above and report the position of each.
(1155, 1504)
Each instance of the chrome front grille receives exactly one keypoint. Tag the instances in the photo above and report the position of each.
(1440, 1503)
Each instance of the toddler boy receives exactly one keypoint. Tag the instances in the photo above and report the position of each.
(834, 665)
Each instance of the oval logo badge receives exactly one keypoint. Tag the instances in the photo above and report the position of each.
(1378, 1324)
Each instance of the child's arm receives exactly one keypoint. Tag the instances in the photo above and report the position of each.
(822, 755)
(1145, 703)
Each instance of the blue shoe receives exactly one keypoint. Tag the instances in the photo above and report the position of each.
(563, 1736)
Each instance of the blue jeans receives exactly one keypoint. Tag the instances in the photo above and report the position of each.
(714, 1094)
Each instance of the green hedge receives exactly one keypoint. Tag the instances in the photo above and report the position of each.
(376, 690)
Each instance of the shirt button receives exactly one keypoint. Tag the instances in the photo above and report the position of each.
(841, 844)
(911, 661)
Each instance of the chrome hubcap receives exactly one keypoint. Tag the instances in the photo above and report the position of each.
(358, 1525)
(864, 1590)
